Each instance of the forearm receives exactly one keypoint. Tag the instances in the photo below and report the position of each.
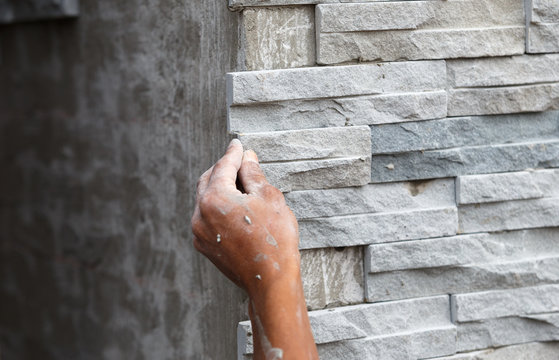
(280, 324)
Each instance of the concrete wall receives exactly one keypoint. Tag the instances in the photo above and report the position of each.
(419, 150)
(106, 123)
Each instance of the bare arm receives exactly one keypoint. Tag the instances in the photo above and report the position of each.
(252, 237)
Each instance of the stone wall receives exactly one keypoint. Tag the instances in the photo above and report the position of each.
(417, 143)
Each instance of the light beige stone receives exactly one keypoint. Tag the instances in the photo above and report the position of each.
(503, 100)
(309, 144)
(251, 87)
(332, 276)
(319, 174)
(335, 48)
(278, 38)
(337, 112)
(402, 15)
(499, 71)
(543, 38)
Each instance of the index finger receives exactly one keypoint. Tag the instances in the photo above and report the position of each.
(225, 170)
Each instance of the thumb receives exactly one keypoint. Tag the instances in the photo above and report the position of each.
(250, 174)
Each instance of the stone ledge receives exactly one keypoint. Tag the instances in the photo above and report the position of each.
(319, 174)
(309, 144)
(453, 251)
(509, 215)
(337, 112)
(336, 48)
(504, 303)
(372, 198)
(366, 229)
(333, 81)
(464, 161)
(407, 284)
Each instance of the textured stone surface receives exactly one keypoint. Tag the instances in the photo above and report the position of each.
(33, 10)
(509, 215)
(504, 331)
(309, 144)
(503, 100)
(427, 253)
(544, 11)
(307, 83)
(466, 249)
(542, 38)
(377, 228)
(334, 48)
(372, 198)
(467, 131)
(319, 174)
(401, 15)
(412, 345)
(547, 181)
(504, 303)
(514, 70)
(239, 4)
(332, 276)
(372, 320)
(464, 161)
(529, 351)
(277, 38)
(361, 110)
(473, 189)
(407, 284)
(461, 250)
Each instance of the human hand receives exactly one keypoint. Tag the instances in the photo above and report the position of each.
(251, 236)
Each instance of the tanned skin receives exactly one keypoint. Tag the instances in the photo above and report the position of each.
(252, 237)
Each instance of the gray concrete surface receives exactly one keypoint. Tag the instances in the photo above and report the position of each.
(106, 123)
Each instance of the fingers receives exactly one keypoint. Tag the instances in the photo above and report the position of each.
(203, 183)
(225, 170)
(251, 175)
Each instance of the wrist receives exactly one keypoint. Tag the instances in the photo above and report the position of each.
(279, 278)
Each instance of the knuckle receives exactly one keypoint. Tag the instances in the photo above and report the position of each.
(273, 193)
(209, 204)
(198, 245)
(205, 203)
(197, 228)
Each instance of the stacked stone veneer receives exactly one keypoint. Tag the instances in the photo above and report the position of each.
(417, 142)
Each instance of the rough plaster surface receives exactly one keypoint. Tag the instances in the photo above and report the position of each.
(106, 123)
(12, 11)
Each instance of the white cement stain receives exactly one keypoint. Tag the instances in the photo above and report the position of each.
(270, 240)
(260, 257)
(270, 352)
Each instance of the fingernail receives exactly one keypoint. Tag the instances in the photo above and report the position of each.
(251, 156)
(235, 142)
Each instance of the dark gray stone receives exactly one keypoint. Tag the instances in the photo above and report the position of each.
(464, 161)
(458, 132)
